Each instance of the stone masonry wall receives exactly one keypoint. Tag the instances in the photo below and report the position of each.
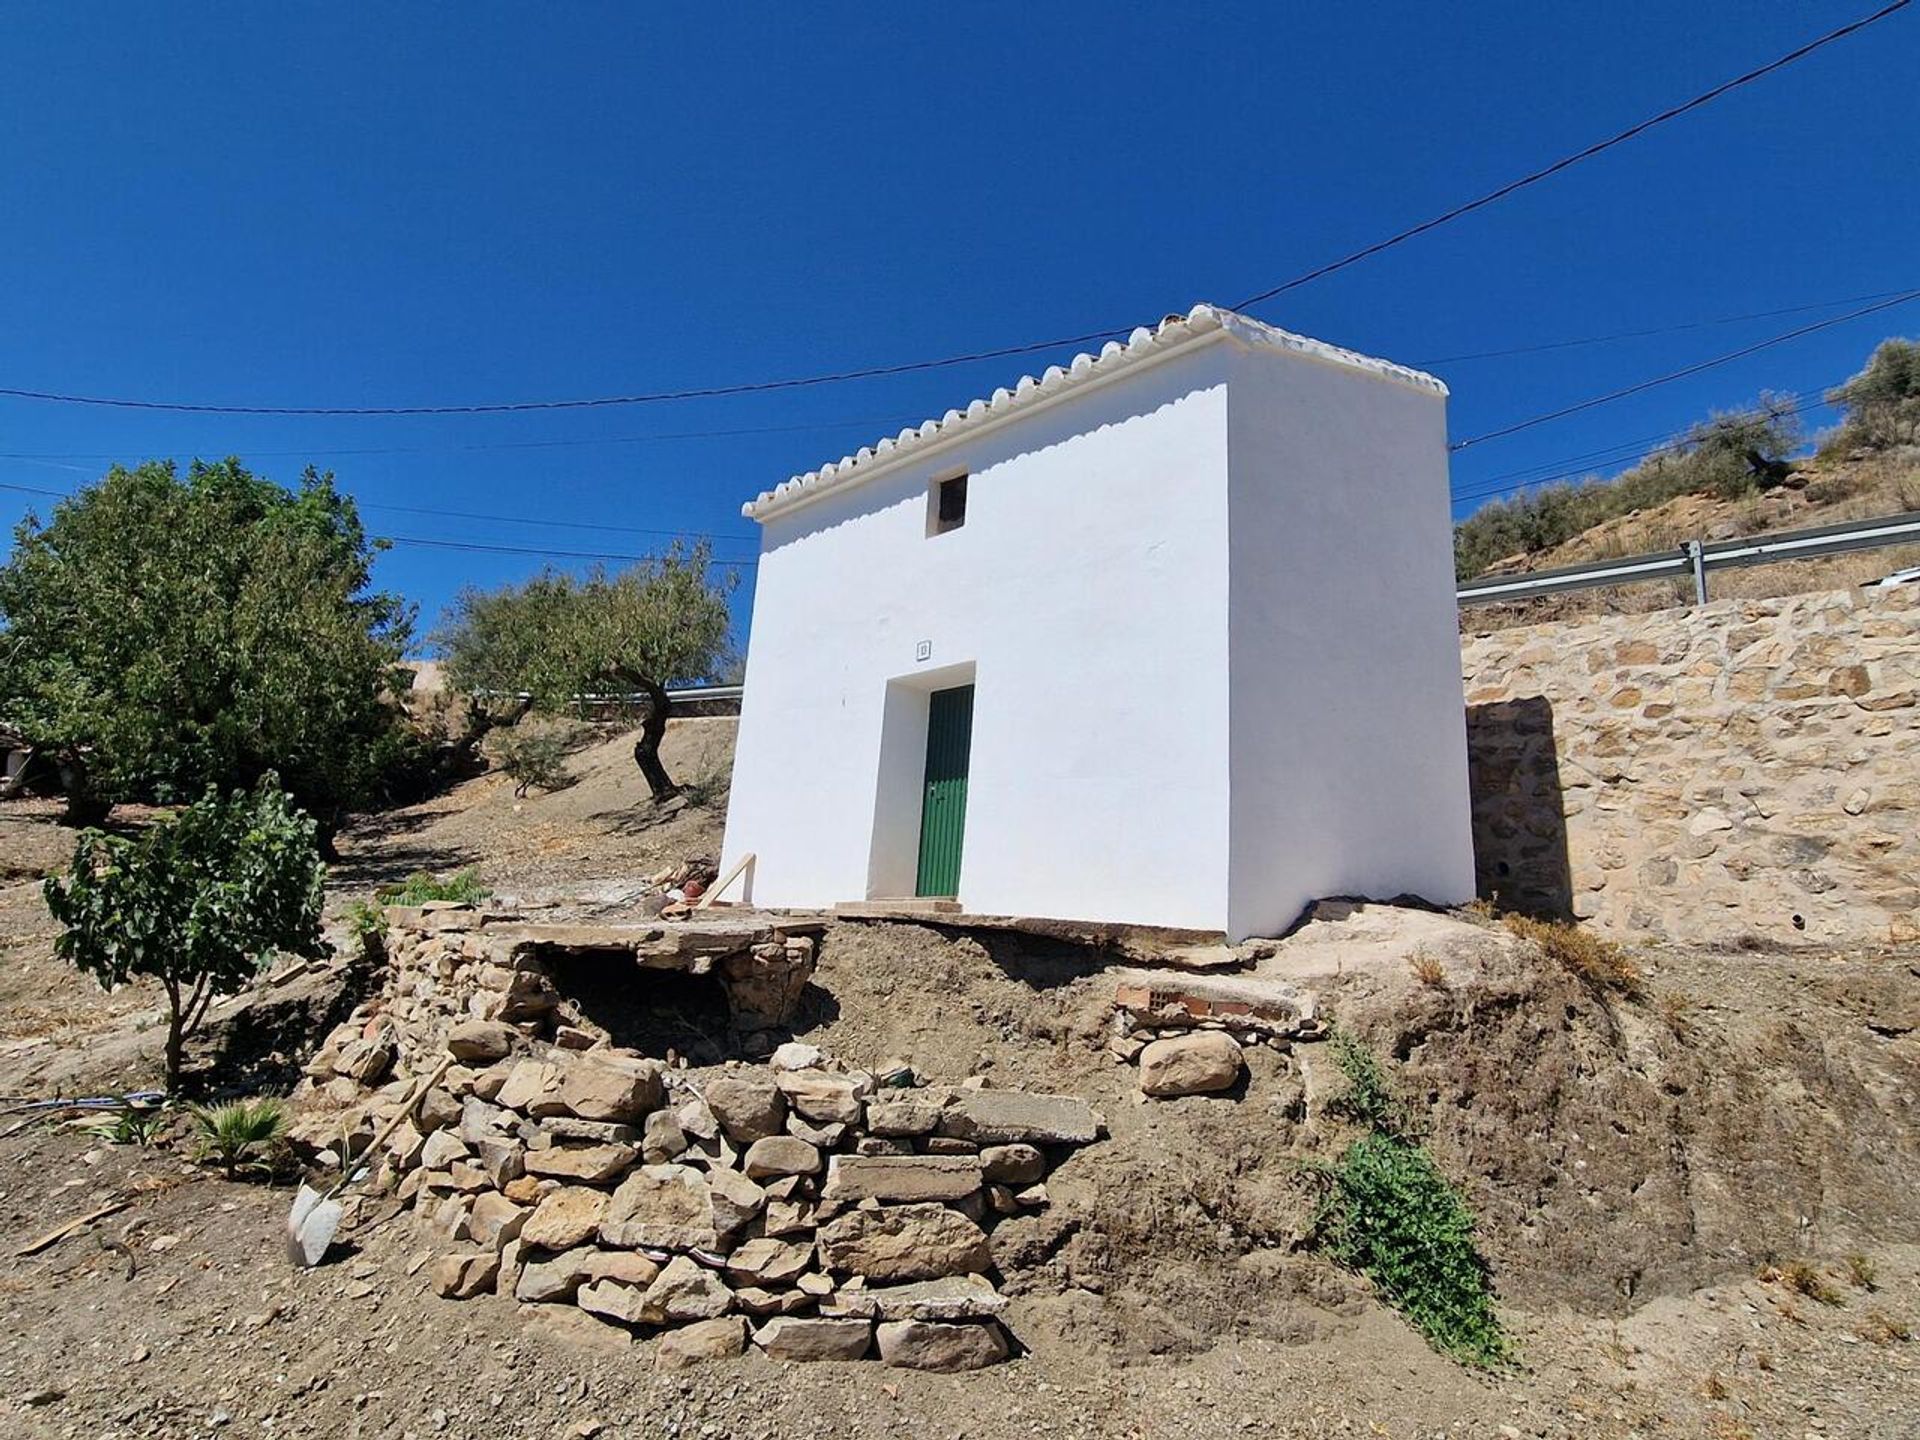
(1746, 768)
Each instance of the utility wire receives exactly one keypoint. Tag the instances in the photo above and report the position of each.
(874, 371)
(1568, 161)
(1547, 345)
(1588, 404)
(1638, 456)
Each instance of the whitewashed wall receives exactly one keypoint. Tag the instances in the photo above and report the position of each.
(1349, 746)
(1208, 611)
(1089, 589)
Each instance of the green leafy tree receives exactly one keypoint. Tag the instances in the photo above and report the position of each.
(631, 633)
(1883, 400)
(199, 901)
(171, 632)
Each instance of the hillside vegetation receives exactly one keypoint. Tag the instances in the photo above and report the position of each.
(1733, 473)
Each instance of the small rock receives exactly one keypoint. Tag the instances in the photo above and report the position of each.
(790, 1337)
(933, 1345)
(481, 1041)
(776, 1155)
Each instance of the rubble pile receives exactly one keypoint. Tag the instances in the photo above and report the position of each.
(813, 1210)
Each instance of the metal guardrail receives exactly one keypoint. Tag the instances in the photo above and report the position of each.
(1699, 559)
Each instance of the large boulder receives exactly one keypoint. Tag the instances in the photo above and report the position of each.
(1203, 1063)
(461, 1277)
(748, 1107)
(583, 1164)
(733, 1200)
(932, 1345)
(481, 1041)
(685, 1291)
(904, 1242)
(821, 1096)
(952, 1297)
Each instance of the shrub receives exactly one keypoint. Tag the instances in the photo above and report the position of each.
(1367, 1099)
(1728, 454)
(461, 888)
(536, 759)
(199, 901)
(1394, 1218)
(1802, 1279)
(1882, 401)
(1861, 1272)
(240, 1135)
(1596, 961)
(367, 923)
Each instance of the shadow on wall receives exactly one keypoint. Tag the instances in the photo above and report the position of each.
(1520, 857)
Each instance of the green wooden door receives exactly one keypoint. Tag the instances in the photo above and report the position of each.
(943, 808)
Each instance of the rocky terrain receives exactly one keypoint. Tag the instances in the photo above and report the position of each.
(1695, 1194)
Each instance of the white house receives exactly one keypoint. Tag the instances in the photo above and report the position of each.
(1166, 636)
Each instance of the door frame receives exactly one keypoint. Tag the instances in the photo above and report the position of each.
(893, 857)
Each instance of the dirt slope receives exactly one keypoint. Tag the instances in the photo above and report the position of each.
(1820, 492)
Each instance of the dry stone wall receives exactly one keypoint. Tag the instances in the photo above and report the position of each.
(1742, 768)
(805, 1207)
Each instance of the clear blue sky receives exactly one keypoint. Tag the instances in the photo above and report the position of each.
(378, 205)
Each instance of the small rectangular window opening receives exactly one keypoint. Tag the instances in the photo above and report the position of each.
(948, 507)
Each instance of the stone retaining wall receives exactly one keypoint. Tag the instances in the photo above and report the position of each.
(1742, 768)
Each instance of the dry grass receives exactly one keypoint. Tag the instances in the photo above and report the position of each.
(1861, 1272)
(1427, 969)
(1801, 1278)
(1714, 1387)
(1882, 1329)
(1596, 961)
(1676, 1008)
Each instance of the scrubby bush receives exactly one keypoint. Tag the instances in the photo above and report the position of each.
(461, 888)
(1588, 957)
(199, 901)
(1882, 401)
(1728, 455)
(537, 759)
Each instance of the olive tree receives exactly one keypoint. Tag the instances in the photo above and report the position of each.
(199, 901)
(629, 633)
(168, 632)
(1883, 400)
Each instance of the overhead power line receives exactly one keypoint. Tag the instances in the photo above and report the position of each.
(1684, 325)
(1493, 196)
(1567, 162)
(1590, 403)
(1637, 452)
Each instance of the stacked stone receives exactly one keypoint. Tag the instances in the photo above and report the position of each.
(1710, 773)
(451, 964)
(813, 1210)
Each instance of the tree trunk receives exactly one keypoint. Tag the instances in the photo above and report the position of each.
(176, 1037)
(85, 806)
(646, 750)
